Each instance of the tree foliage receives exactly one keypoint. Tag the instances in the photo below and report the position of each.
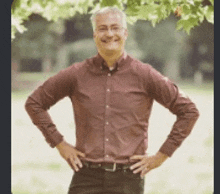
(190, 13)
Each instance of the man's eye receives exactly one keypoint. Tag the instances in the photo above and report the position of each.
(102, 29)
(115, 28)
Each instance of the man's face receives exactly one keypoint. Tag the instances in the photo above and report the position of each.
(109, 35)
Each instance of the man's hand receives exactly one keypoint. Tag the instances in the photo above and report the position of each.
(71, 155)
(147, 163)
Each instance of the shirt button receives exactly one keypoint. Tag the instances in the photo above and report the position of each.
(107, 123)
(107, 106)
(109, 74)
(108, 90)
(106, 139)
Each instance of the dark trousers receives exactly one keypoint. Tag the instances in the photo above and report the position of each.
(99, 181)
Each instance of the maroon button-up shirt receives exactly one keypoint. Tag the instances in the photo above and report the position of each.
(112, 108)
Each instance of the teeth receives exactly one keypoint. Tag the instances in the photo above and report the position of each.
(107, 41)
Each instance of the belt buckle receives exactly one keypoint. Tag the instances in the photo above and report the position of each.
(113, 169)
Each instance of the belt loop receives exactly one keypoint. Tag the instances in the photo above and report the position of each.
(111, 170)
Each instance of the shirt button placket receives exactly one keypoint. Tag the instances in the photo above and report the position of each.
(107, 113)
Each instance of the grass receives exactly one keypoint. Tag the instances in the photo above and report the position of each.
(25, 76)
(38, 169)
(206, 88)
(20, 94)
(34, 78)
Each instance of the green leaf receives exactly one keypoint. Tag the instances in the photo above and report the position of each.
(210, 14)
(148, 11)
(84, 5)
(187, 25)
(108, 3)
(132, 7)
(42, 3)
(200, 14)
(186, 9)
(133, 3)
(131, 19)
(13, 31)
(201, 18)
(162, 12)
(132, 11)
(15, 5)
(95, 8)
(212, 2)
(168, 6)
(191, 2)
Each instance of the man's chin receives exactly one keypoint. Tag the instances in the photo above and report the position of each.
(110, 51)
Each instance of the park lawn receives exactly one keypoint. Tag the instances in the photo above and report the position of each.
(35, 76)
(38, 169)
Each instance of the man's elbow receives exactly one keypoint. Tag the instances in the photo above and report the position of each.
(189, 111)
(197, 113)
(27, 104)
(194, 112)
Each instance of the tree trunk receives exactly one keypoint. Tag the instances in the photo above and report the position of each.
(46, 64)
(62, 58)
(172, 65)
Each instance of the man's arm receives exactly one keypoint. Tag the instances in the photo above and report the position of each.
(166, 93)
(171, 97)
(37, 105)
(45, 96)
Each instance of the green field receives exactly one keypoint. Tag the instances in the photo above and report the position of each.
(39, 169)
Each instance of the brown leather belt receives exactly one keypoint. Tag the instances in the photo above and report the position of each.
(112, 167)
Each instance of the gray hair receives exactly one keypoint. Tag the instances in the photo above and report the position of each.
(105, 10)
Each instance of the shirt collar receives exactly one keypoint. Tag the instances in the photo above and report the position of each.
(100, 62)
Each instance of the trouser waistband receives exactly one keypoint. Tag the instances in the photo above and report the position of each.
(112, 167)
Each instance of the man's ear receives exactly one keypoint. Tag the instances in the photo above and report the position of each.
(126, 33)
(94, 34)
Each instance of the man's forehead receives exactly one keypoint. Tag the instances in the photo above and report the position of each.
(108, 18)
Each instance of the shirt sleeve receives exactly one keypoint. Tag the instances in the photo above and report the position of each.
(46, 95)
(168, 94)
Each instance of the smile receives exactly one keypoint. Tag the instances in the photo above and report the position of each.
(108, 41)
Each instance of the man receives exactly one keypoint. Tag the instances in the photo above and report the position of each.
(112, 95)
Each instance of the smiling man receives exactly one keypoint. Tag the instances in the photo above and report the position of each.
(112, 95)
(110, 34)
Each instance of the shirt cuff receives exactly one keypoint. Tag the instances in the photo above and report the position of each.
(168, 148)
(54, 139)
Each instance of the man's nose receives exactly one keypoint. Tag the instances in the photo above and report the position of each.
(109, 32)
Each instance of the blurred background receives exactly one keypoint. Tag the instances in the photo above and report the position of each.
(47, 47)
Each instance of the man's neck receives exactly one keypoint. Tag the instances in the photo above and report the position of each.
(111, 58)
